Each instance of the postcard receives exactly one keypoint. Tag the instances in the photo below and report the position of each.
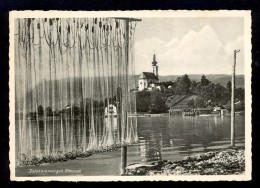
(130, 95)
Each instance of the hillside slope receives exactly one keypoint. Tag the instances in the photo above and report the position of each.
(179, 101)
(223, 81)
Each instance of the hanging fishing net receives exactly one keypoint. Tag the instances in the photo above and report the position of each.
(73, 82)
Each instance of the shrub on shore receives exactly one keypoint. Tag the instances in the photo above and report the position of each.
(227, 162)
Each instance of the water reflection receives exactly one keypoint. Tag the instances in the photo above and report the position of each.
(150, 148)
(185, 135)
(159, 137)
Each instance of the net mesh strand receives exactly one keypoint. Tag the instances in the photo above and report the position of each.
(72, 94)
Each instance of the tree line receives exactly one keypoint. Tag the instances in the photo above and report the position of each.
(208, 94)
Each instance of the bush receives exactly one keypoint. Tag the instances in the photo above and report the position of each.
(40, 110)
(142, 101)
(48, 111)
(157, 103)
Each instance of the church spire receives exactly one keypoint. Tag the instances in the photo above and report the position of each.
(155, 67)
(154, 60)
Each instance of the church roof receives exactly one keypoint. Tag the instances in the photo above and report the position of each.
(148, 75)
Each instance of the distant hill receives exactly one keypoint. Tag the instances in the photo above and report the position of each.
(195, 77)
(222, 79)
(75, 83)
(60, 92)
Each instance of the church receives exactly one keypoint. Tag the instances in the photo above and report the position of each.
(149, 80)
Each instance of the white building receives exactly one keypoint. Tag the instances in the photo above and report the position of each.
(111, 110)
(111, 117)
(149, 80)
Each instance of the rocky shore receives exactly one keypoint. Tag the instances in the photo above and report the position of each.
(225, 162)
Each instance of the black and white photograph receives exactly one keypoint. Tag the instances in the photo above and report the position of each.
(130, 95)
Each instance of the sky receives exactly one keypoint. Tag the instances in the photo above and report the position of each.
(190, 45)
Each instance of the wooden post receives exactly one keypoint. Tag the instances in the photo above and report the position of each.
(123, 159)
(233, 101)
(124, 148)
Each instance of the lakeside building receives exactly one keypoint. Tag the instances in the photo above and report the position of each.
(149, 80)
(111, 111)
(203, 111)
(220, 110)
(239, 107)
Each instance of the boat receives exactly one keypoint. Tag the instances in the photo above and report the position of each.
(205, 115)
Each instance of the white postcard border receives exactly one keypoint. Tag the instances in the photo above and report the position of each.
(246, 14)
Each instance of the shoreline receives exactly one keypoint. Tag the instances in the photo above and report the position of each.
(91, 166)
(223, 162)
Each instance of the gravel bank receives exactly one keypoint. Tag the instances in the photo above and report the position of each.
(224, 162)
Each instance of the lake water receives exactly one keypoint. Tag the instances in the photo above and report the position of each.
(160, 138)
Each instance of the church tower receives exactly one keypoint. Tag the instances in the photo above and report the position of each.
(155, 67)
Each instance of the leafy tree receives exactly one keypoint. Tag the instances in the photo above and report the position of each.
(166, 84)
(169, 92)
(75, 110)
(198, 88)
(183, 85)
(40, 110)
(31, 115)
(240, 94)
(157, 102)
(190, 103)
(218, 93)
(206, 92)
(229, 85)
(186, 83)
(215, 93)
(204, 81)
(48, 111)
(142, 101)
(193, 85)
(151, 101)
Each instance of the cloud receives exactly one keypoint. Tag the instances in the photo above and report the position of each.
(199, 52)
